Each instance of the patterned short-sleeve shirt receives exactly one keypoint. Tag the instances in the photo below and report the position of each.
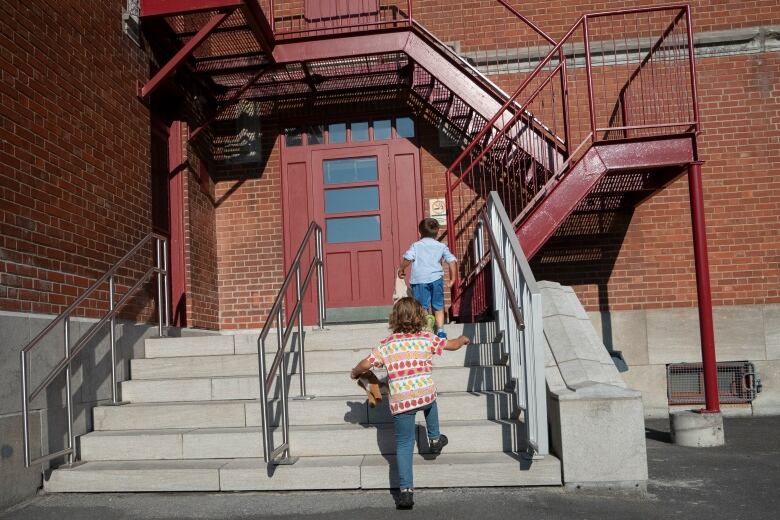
(408, 359)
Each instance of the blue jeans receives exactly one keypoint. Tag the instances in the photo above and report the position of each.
(430, 295)
(405, 430)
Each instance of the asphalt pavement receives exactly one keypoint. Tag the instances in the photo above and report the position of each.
(736, 481)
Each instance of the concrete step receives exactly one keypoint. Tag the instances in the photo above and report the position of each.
(316, 361)
(307, 441)
(466, 406)
(309, 473)
(448, 379)
(335, 337)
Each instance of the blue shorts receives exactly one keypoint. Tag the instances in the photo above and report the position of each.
(430, 295)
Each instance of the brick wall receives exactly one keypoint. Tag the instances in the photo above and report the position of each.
(648, 258)
(249, 231)
(74, 151)
(200, 244)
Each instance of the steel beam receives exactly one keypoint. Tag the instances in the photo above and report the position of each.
(701, 261)
(260, 27)
(150, 8)
(183, 53)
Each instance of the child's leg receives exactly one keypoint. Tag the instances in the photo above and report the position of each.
(437, 303)
(432, 421)
(405, 430)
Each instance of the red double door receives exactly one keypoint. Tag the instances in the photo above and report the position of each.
(367, 198)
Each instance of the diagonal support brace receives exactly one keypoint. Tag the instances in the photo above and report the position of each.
(184, 53)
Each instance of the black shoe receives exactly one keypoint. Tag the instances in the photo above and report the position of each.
(437, 444)
(405, 499)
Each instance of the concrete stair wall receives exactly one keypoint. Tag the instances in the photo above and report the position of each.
(192, 421)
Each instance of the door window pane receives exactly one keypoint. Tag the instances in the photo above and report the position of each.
(352, 199)
(292, 137)
(359, 131)
(382, 129)
(404, 127)
(315, 134)
(352, 229)
(337, 133)
(349, 170)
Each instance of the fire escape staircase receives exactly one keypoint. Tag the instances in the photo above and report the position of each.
(600, 121)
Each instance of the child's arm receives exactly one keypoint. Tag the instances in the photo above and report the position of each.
(361, 368)
(402, 269)
(452, 267)
(455, 344)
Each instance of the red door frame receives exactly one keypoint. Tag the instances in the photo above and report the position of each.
(301, 156)
(386, 212)
(176, 188)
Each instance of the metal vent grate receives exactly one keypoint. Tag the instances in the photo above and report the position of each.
(737, 382)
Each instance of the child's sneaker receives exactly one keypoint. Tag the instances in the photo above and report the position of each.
(430, 322)
(436, 445)
(441, 333)
(405, 499)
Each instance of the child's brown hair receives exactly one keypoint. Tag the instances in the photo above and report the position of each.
(407, 316)
(428, 228)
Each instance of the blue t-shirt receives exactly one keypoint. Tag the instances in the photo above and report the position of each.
(426, 256)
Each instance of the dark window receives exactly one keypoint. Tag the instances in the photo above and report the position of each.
(293, 137)
(337, 133)
(352, 229)
(352, 199)
(382, 129)
(315, 134)
(360, 131)
(340, 171)
(404, 127)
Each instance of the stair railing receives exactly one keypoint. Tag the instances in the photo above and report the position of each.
(158, 269)
(282, 454)
(517, 303)
(659, 98)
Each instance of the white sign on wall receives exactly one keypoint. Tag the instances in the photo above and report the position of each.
(437, 209)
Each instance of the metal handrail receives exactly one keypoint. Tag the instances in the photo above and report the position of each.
(276, 313)
(160, 268)
(518, 306)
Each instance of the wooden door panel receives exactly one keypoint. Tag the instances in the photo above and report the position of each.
(338, 279)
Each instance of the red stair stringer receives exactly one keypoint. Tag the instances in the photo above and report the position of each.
(598, 161)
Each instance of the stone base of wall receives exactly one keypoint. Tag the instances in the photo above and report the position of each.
(648, 340)
(90, 386)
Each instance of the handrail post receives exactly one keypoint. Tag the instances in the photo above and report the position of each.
(692, 60)
(25, 410)
(301, 337)
(112, 338)
(565, 96)
(320, 279)
(264, 400)
(167, 287)
(283, 383)
(158, 262)
(589, 74)
(68, 395)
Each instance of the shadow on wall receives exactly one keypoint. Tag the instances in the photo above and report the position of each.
(583, 252)
(90, 376)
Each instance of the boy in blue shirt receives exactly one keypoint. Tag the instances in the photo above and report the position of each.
(427, 280)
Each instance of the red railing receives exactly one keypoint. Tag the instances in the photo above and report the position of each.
(308, 18)
(614, 75)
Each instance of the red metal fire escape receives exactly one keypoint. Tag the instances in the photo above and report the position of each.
(601, 119)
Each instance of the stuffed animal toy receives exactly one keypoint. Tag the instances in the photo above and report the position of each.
(373, 387)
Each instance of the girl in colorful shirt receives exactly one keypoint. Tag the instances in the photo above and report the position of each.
(407, 355)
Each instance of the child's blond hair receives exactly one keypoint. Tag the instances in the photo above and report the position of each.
(407, 316)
